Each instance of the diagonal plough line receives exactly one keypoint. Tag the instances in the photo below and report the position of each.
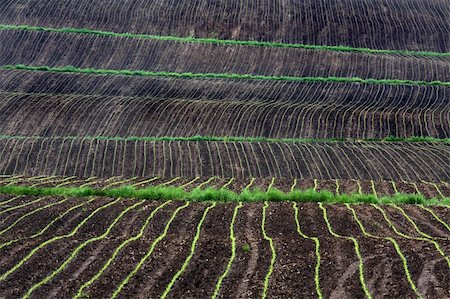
(250, 43)
(80, 293)
(75, 252)
(21, 205)
(435, 216)
(56, 219)
(356, 247)
(317, 251)
(149, 252)
(32, 213)
(13, 269)
(188, 75)
(416, 227)
(9, 200)
(401, 234)
(396, 247)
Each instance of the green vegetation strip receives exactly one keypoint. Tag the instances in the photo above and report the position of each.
(222, 195)
(233, 139)
(188, 75)
(223, 41)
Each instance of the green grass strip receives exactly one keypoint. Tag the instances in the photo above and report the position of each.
(357, 251)
(54, 239)
(80, 293)
(222, 195)
(188, 75)
(47, 226)
(272, 249)
(396, 247)
(235, 139)
(191, 254)
(223, 41)
(317, 251)
(149, 252)
(77, 250)
(31, 213)
(233, 253)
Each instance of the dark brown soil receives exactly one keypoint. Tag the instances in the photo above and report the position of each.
(245, 279)
(294, 267)
(48, 258)
(293, 274)
(48, 118)
(90, 260)
(214, 249)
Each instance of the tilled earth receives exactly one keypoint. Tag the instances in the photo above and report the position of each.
(103, 247)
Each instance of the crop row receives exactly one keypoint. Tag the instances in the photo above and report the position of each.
(76, 115)
(198, 189)
(404, 230)
(107, 158)
(351, 23)
(190, 75)
(217, 89)
(216, 41)
(337, 187)
(162, 56)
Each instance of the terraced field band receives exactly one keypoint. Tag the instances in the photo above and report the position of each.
(223, 41)
(188, 75)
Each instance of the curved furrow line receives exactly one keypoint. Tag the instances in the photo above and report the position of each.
(7, 273)
(9, 200)
(317, 251)
(233, 253)
(31, 213)
(435, 216)
(148, 254)
(356, 247)
(191, 254)
(81, 291)
(272, 250)
(21, 205)
(77, 250)
(43, 230)
(416, 227)
(396, 247)
(401, 234)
